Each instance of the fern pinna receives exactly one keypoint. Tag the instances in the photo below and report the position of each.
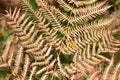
(75, 28)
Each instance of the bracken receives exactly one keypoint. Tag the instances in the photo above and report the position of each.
(73, 27)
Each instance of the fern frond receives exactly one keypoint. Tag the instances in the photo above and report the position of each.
(37, 15)
(26, 66)
(6, 51)
(12, 51)
(88, 16)
(105, 74)
(85, 36)
(116, 72)
(32, 72)
(47, 13)
(17, 61)
(7, 56)
(72, 29)
(64, 5)
(81, 3)
(89, 8)
(95, 74)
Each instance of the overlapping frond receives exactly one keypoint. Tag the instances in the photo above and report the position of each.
(72, 28)
(38, 46)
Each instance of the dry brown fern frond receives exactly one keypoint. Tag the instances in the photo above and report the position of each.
(5, 4)
(47, 33)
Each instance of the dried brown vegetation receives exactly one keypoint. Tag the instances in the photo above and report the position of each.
(75, 28)
(6, 4)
